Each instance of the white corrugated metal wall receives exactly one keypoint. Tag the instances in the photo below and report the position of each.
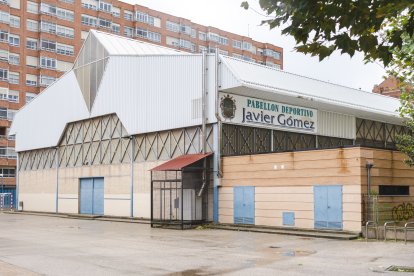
(336, 125)
(151, 93)
(40, 124)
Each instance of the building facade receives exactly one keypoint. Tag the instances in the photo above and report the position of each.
(389, 87)
(266, 147)
(40, 39)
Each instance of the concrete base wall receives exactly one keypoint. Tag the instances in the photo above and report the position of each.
(38, 189)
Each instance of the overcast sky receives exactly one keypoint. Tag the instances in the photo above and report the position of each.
(227, 15)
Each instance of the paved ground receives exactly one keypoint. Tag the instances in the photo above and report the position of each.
(33, 245)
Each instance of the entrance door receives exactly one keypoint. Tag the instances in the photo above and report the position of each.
(244, 205)
(328, 207)
(91, 196)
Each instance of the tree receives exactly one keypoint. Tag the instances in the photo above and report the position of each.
(381, 29)
(322, 26)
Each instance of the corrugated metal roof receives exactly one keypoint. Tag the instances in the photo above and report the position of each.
(264, 78)
(119, 45)
(181, 162)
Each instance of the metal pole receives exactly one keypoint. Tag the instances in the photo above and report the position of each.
(2, 183)
(17, 183)
(132, 176)
(57, 179)
(217, 144)
(369, 167)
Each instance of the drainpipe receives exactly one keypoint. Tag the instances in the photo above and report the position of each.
(132, 176)
(369, 167)
(57, 179)
(204, 119)
(217, 142)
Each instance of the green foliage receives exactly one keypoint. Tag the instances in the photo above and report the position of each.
(320, 27)
(381, 29)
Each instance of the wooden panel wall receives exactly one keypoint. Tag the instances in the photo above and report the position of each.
(284, 182)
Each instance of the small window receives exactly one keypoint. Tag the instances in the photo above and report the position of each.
(394, 190)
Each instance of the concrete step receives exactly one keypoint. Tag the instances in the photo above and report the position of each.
(327, 234)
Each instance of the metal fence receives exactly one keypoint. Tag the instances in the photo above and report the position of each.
(6, 201)
(382, 209)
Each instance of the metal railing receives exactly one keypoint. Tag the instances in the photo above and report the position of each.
(374, 226)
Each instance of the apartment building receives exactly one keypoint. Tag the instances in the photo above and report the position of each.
(39, 40)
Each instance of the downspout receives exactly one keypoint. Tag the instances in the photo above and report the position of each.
(132, 176)
(369, 167)
(203, 119)
(217, 143)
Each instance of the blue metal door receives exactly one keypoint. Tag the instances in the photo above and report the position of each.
(328, 207)
(244, 205)
(10, 200)
(86, 196)
(98, 196)
(91, 196)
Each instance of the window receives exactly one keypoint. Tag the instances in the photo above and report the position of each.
(4, 55)
(68, 1)
(202, 36)
(4, 17)
(13, 96)
(89, 20)
(48, 45)
(65, 31)
(128, 15)
(394, 190)
(31, 80)
(104, 23)
(10, 114)
(47, 9)
(173, 27)
(3, 113)
(14, 40)
(271, 53)
(185, 29)
(46, 80)
(128, 31)
(185, 44)
(49, 63)
(247, 45)
(14, 59)
(193, 33)
(7, 152)
(141, 17)
(156, 37)
(89, 6)
(32, 7)
(31, 43)
(48, 27)
(32, 25)
(8, 172)
(106, 7)
(64, 49)
(4, 74)
(14, 77)
(4, 36)
(15, 21)
(116, 28)
(65, 14)
(116, 12)
(4, 96)
(237, 44)
(30, 97)
(217, 38)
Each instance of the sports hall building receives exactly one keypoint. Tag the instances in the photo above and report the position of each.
(140, 130)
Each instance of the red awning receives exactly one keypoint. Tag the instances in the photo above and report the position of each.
(180, 162)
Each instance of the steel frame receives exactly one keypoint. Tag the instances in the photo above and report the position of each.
(103, 140)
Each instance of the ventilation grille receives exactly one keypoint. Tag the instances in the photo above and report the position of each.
(196, 108)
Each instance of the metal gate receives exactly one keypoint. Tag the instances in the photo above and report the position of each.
(91, 196)
(244, 204)
(328, 207)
